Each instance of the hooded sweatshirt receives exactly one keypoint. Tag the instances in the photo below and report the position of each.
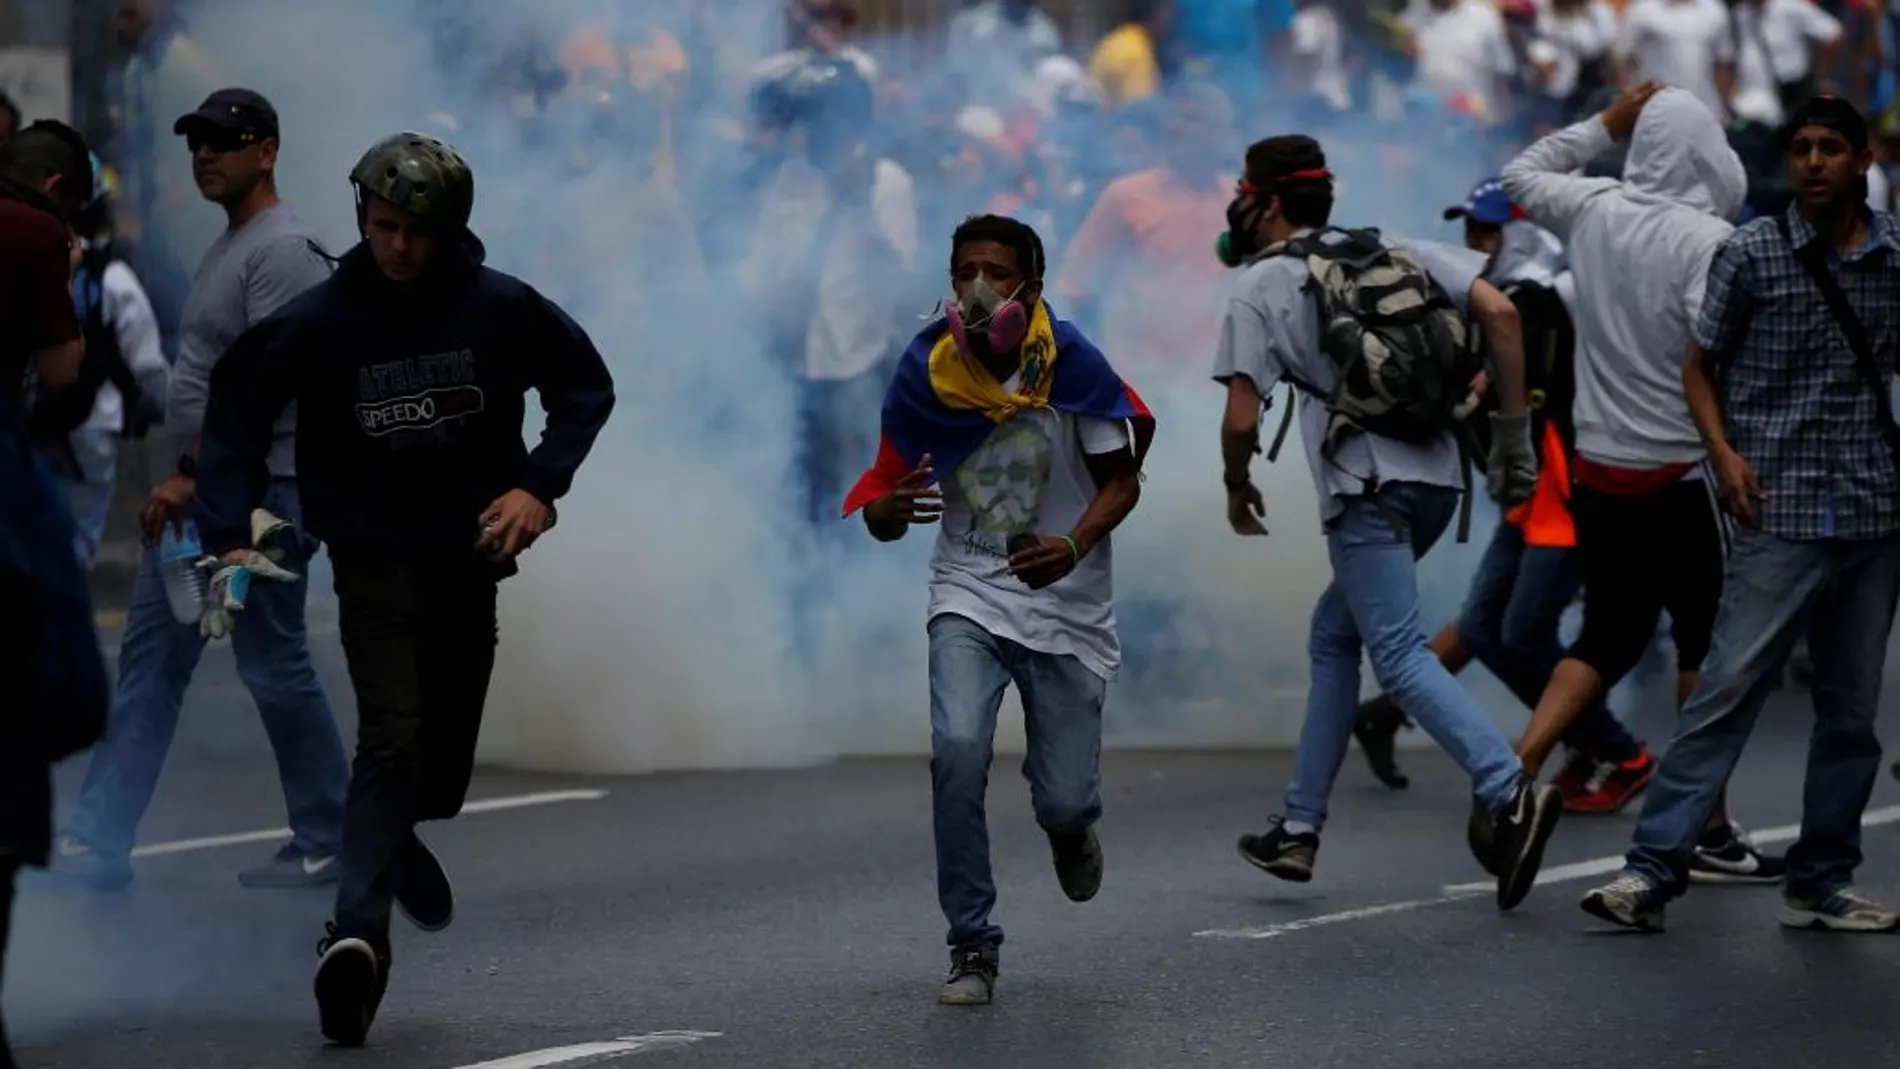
(411, 400)
(1640, 250)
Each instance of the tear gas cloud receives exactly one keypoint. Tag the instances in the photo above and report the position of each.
(682, 615)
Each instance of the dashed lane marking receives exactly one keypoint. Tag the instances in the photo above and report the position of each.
(582, 1053)
(271, 835)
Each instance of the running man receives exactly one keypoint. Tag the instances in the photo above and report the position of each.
(1650, 536)
(1384, 500)
(409, 369)
(1042, 443)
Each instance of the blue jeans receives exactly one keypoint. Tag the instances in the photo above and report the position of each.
(1062, 703)
(86, 462)
(157, 656)
(1372, 605)
(1511, 622)
(838, 431)
(1842, 594)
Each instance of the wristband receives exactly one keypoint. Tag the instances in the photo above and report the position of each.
(1233, 484)
(187, 465)
(1075, 551)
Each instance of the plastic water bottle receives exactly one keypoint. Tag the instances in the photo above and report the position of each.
(178, 556)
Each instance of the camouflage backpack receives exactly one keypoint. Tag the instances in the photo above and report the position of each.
(1404, 356)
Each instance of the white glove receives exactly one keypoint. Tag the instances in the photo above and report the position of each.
(231, 575)
(1512, 464)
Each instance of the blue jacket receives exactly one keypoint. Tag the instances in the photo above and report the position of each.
(410, 403)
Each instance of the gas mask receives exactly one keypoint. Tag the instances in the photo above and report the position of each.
(1241, 240)
(1003, 320)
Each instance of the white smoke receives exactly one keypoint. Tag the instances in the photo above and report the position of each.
(655, 627)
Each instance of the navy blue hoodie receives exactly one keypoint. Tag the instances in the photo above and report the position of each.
(410, 402)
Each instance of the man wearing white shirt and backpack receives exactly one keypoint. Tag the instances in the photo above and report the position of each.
(1387, 464)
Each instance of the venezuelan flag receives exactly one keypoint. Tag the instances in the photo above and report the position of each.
(942, 402)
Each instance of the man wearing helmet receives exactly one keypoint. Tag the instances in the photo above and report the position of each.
(409, 368)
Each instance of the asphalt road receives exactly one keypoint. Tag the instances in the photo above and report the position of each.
(788, 919)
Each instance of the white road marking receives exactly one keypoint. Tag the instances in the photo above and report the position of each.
(1602, 866)
(269, 835)
(641, 1044)
(1268, 931)
(1459, 892)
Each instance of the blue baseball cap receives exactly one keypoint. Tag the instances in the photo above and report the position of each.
(1487, 204)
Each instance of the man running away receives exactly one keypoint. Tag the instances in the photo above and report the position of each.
(409, 368)
(1388, 476)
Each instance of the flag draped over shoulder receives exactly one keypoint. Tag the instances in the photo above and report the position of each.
(943, 403)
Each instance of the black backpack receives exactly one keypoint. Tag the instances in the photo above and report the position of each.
(57, 415)
(1550, 370)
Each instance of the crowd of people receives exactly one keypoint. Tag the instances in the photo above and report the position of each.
(1666, 339)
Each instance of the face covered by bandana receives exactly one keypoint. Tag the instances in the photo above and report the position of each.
(1002, 320)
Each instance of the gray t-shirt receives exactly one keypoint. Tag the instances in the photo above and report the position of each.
(247, 273)
(1272, 330)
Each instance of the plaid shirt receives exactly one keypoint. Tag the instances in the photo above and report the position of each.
(1793, 402)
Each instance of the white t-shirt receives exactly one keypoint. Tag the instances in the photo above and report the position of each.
(1778, 40)
(1463, 49)
(848, 335)
(128, 311)
(1679, 43)
(1029, 475)
(1568, 40)
(1321, 47)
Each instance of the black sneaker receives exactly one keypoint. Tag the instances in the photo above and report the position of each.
(1377, 726)
(293, 866)
(351, 979)
(1727, 855)
(1522, 830)
(1290, 857)
(972, 980)
(423, 892)
(1078, 863)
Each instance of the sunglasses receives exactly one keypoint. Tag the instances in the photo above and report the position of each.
(220, 142)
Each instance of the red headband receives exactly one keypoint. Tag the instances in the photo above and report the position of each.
(1243, 187)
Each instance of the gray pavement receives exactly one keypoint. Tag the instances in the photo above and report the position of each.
(793, 914)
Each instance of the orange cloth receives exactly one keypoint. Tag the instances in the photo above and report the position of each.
(1545, 518)
(1145, 255)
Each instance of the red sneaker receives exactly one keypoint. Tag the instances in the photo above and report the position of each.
(1612, 784)
(1575, 775)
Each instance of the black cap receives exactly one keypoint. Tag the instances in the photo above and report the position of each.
(236, 111)
(1834, 114)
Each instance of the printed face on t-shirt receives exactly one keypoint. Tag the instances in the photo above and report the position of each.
(1004, 480)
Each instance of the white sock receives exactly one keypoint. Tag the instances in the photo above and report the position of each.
(1298, 827)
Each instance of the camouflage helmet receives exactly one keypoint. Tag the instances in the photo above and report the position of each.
(420, 175)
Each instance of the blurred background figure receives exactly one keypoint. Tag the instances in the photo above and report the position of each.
(1127, 64)
(835, 241)
(996, 46)
(1140, 274)
(120, 394)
